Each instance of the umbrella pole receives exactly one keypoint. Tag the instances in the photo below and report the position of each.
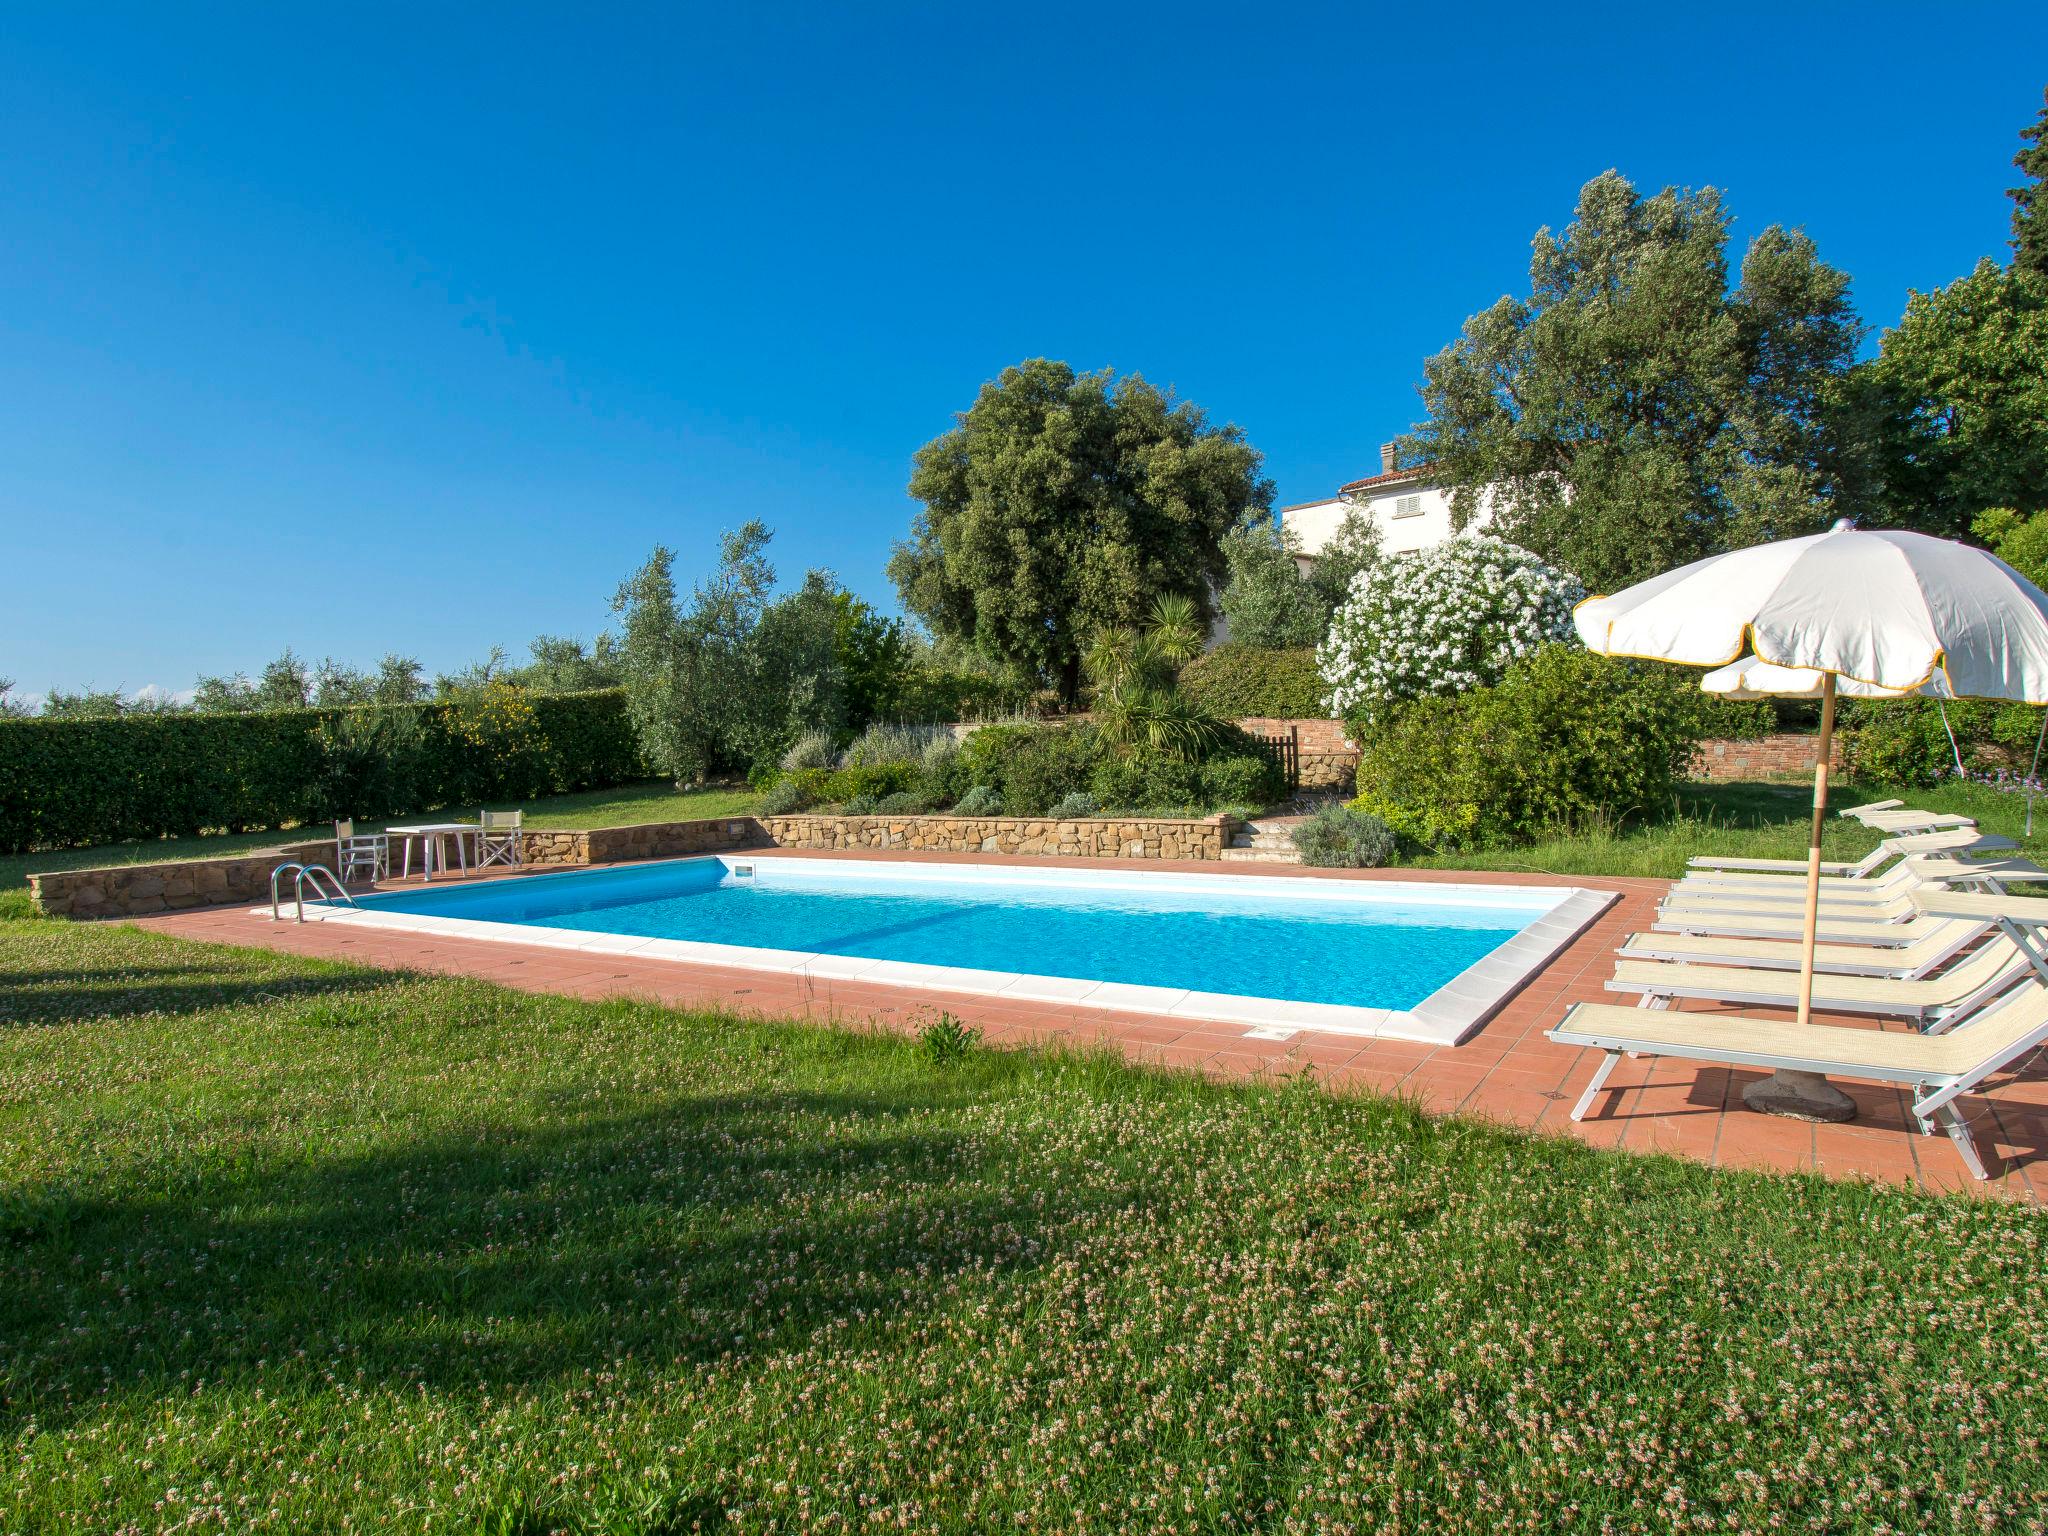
(1808, 1095)
(1820, 816)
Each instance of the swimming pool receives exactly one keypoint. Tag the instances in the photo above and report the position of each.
(1421, 960)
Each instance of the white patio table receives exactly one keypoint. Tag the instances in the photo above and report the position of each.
(432, 851)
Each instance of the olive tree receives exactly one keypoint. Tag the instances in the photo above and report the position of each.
(1062, 504)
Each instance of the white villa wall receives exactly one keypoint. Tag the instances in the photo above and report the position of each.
(1411, 515)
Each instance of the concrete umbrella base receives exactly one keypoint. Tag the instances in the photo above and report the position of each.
(1800, 1096)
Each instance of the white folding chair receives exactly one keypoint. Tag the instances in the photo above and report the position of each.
(497, 838)
(370, 852)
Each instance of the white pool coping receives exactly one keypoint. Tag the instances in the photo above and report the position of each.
(1448, 1016)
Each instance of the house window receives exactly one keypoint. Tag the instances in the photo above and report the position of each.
(1407, 506)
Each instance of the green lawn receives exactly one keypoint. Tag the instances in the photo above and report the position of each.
(294, 1246)
(596, 808)
(1747, 821)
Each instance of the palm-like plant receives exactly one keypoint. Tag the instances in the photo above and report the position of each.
(1175, 629)
(1133, 673)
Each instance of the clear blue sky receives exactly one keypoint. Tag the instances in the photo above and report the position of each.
(414, 329)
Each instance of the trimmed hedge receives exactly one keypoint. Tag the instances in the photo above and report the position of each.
(70, 783)
(1240, 680)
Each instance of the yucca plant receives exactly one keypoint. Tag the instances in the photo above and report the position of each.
(1136, 700)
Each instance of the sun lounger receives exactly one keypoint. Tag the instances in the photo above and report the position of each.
(1913, 870)
(1908, 821)
(2021, 920)
(2005, 910)
(1939, 1068)
(1875, 931)
(1893, 900)
(1959, 842)
(1943, 942)
(1937, 1003)
(1871, 807)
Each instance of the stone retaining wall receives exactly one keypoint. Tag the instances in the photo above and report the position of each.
(555, 848)
(135, 890)
(1108, 837)
(649, 840)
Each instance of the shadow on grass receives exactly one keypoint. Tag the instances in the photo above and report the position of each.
(40, 999)
(716, 1228)
(1750, 805)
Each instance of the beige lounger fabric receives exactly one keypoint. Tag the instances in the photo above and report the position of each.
(1893, 899)
(1958, 840)
(1763, 925)
(1861, 994)
(1947, 936)
(1980, 904)
(1912, 821)
(1892, 1055)
(1970, 849)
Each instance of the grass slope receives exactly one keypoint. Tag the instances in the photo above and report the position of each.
(294, 1246)
(625, 806)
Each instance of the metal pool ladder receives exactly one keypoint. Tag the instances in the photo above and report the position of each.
(306, 874)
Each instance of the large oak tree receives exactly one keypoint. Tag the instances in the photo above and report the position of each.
(1062, 504)
(1635, 411)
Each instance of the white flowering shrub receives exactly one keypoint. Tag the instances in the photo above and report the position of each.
(1440, 621)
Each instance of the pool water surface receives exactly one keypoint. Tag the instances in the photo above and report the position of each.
(1352, 944)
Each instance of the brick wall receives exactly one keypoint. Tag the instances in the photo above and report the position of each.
(1767, 757)
(1329, 759)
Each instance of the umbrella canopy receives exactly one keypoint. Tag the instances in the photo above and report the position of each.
(1751, 678)
(1878, 615)
(1888, 609)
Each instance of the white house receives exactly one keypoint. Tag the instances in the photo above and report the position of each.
(1412, 510)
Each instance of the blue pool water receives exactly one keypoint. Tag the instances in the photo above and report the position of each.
(1369, 951)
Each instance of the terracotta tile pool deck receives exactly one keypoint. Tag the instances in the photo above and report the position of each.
(1507, 1072)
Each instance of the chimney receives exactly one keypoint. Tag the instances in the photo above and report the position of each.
(1387, 458)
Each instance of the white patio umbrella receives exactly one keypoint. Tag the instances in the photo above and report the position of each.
(1870, 614)
(1751, 678)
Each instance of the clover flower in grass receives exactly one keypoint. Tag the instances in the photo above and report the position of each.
(1442, 620)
